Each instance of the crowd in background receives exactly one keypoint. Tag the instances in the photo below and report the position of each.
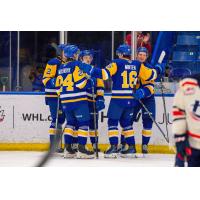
(32, 63)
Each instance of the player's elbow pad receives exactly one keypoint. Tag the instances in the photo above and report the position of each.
(81, 84)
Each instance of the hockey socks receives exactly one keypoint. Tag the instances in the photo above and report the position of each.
(146, 135)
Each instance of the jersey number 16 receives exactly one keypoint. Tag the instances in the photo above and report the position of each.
(128, 79)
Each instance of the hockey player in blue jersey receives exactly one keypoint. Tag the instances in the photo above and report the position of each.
(51, 97)
(123, 72)
(145, 93)
(74, 102)
(96, 86)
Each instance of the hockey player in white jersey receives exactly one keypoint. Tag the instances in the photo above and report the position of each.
(186, 122)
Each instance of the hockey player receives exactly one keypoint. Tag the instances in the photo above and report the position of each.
(145, 93)
(51, 97)
(186, 122)
(74, 101)
(96, 86)
(123, 72)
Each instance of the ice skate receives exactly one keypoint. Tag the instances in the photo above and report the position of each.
(84, 153)
(75, 147)
(145, 149)
(128, 152)
(69, 152)
(111, 152)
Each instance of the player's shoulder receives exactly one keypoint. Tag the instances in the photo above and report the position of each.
(189, 83)
(54, 61)
(146, 64)
(136, 62)
(117, 60)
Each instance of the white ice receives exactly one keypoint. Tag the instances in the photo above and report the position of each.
(29, 159)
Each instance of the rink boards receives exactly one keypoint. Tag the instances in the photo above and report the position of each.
(25, 119)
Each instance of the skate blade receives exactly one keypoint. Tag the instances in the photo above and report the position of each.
(113, 155)
(140, 155)
(130, 155)
(69, 156)
(84, 156)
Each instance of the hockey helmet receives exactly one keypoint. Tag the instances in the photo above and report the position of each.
(124, 49)
(86, 53)
(71, 50)
(142, 49)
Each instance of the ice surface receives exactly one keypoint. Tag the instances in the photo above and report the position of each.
(29, 158)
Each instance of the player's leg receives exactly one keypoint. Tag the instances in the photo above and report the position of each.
(137, 108)
(68, 133)
(147, 122)
(83, 116)
(127, 127)
(194, 159)
(114, 114)
(75, 137)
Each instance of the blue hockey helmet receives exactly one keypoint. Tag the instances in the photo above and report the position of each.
(124, 49)
(142, 49)
(86, 53)
(71, 50)
(62, 46)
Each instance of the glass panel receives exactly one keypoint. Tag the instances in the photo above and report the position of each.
(36, 48)
(4, 60)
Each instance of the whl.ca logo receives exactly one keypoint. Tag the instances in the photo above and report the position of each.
(2, 114)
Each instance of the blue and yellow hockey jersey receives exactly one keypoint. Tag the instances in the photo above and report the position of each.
(50, 73)
(124, 73)
(147, 86)
(98, 89)
(73, 83)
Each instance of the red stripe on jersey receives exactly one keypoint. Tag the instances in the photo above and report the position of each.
(189, 83)
(175, 113)
(193, 135)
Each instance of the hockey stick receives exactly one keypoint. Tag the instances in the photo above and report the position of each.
(55, 143)
(148, 112)
(162, 55)
(146, 109)
(95, 120)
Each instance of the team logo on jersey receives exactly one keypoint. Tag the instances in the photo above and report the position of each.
(195, 111)
(109, 66)
(80, 73)
(2, 114)
(189, 91)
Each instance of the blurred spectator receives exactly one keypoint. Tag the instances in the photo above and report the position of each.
(35, 77)
(143, 40)
(51, 50)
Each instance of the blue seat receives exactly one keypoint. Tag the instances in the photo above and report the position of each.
(187, 40)
(186, 56)
(177, 73)
(186, 48)
(188, 32)
(198, 56)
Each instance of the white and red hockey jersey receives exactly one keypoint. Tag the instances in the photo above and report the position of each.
(186, 110)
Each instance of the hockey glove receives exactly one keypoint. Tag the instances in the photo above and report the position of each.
(139, 94)
(159, 69)
(183, 149)
(88, 69)
(100, 105)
